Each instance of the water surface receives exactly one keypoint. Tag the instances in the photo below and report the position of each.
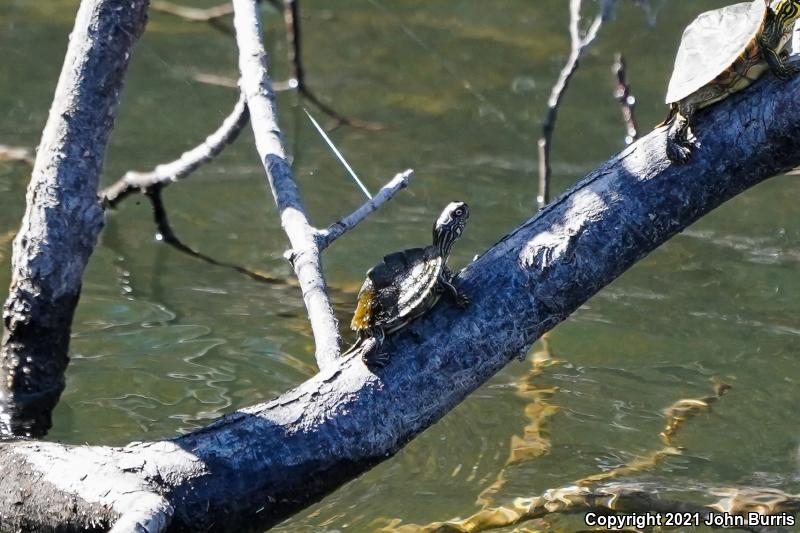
(164, 344)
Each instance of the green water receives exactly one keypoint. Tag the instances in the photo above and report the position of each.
(164, 344)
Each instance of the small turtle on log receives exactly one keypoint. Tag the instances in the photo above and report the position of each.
(405, 285)
(722, 52)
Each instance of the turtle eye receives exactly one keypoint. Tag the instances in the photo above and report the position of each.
(459, 212)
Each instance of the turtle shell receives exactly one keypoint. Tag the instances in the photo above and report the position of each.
(712, 43)
(398, 289)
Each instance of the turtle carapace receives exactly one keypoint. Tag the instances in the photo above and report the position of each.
(722, 52)
(406, 284)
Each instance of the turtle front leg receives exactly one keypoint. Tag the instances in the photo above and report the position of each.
(778, 63)
(459, 298)
(679, 149)
(774, 54)
(374, 357)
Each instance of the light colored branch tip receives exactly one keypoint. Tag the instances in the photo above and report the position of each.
(342, 226)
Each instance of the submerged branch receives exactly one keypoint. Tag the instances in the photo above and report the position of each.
(610, 499)
(578, 497)
(291, 17)
(187, 163)
(167, 235)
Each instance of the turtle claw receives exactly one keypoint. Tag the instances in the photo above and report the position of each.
(678, 153)
(787, 72)
(375, 359)
(462, 301)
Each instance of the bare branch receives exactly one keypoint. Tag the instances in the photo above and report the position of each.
(232, 83)
(187, 163)
(578, 45)
(16, 153)
(305, 255)
(62, 217)
(626, 100)
(193, 14)
(342, 226)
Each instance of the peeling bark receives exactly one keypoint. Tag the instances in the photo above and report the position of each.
(257, 466)
(63, 216)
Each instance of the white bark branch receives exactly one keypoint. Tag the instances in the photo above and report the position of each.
(337, 229)
(305, 254)
(187, 163)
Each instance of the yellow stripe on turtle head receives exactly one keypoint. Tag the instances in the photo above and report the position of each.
(787, 11)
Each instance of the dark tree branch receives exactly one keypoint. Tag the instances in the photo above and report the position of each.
(187, 163)
(63, 216)
(257, 466)
(625, 99)
(578, 44)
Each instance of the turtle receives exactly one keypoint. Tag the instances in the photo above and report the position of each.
(721, 52)
(405, 285)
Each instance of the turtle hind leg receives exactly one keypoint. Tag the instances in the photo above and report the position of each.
(374, 357)
(679, 148)
(446, 282)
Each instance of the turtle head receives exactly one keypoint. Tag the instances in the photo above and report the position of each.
(786, 11)
(449, 226)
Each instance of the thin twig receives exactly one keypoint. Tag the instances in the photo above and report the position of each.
(16, 153)
(232, 83)
(626, 100)
(187, 163)
(342, 226)
(193, 14)
(578, 45)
